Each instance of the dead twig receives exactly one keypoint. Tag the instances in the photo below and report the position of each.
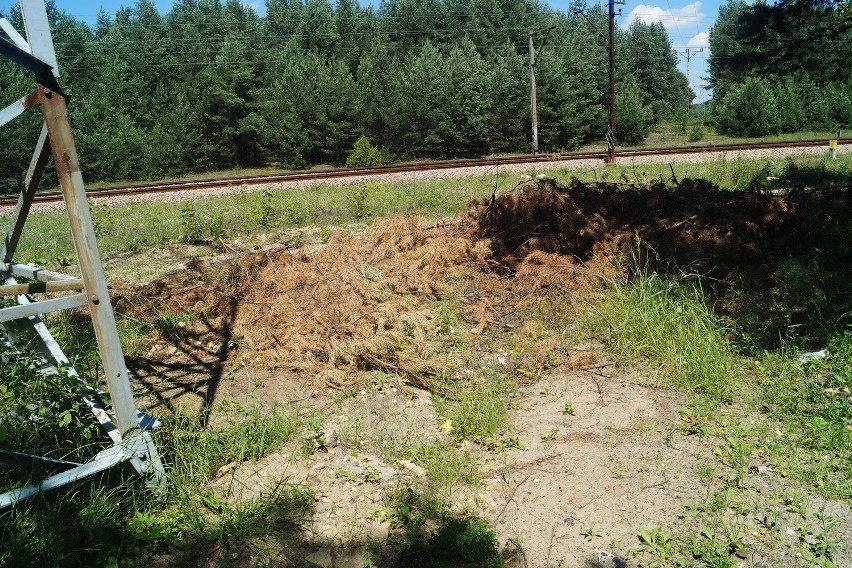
(509, 500)
(550, 544)
(521, 550)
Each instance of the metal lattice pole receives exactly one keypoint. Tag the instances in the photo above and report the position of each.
(133, 444)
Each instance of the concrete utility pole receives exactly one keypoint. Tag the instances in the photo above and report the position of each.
(533, 109)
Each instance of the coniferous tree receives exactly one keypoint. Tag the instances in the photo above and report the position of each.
(211, 85)
(634, 117)
(747, 109)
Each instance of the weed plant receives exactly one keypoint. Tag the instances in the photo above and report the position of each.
(480, 414)
(43, 413)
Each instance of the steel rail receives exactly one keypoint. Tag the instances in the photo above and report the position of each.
(212, 183)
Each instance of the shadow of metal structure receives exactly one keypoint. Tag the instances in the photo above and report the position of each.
(128, 428)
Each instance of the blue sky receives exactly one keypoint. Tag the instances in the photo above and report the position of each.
(688, 23)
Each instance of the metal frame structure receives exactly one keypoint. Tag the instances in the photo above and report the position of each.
(129, 429)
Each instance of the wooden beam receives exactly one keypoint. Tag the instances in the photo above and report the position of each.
(41, 287)
(32, 272)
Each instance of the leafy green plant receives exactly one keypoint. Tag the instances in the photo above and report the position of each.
(103, 219)
(590, 532)
(714, 551)
(735, 453)
(358, 200)
(43, 413)
(296, 213)
(266, 212)
(192, 228)
(547, 435)
(822, 540)
(364, 154)
(658, 542)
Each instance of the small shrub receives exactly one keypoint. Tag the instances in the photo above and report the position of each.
(42, 412)
(192, 229)
(266, 213)
(696, 134)
(103, 219)
(196, 230)
(364, 154)
(748, 109)
(296, 214)
(358, 200)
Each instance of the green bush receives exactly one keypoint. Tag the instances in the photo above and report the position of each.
(358, 200)
(364, 154)
(748, 109)
(696, 134)
(791, 111)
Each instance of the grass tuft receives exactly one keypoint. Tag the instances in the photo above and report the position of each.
(658, 318)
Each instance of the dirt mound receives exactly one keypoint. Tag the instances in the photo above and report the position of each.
(361, 301)
(692, 223)
(368, 301)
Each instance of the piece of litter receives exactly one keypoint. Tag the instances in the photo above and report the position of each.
(812, 356)
(610, 560)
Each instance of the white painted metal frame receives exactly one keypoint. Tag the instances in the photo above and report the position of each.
(129, 427)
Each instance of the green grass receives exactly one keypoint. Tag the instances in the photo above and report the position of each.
(152, 226)
(480, 414)
(105, 521)
(665, 321)
(733, 174)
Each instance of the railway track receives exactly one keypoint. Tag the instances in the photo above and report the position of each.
(210, 183)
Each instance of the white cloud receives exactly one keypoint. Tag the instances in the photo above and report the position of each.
(699, 40)
(676, 18)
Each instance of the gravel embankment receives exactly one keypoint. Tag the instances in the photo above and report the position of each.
(414, 177)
